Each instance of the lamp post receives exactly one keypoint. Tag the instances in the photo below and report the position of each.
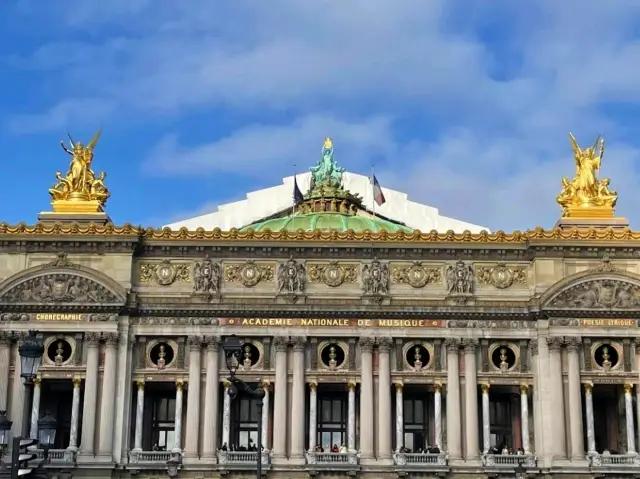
(5, 428)
(520, 470)
(30, 352)
(47, 433)
(233, 353)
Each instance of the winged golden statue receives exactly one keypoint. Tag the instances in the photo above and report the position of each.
(585, 195)
(80, 190)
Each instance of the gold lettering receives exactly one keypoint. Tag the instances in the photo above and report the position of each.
(59, 317)
(609, 323)
(364, 323)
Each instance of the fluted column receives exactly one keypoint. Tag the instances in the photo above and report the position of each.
(297, 401)
(5, 356)
(384, 399)
(351, 417)
(524, 417)
(266, 444)
(193, 397)
(575, 399)
(35, 408)
(226, 415)
(437, 406)
(471, 399)
(137, 440)
(628, 407)
(313, 416)
(178, 417)
(212, 399)
(108, 396)
(588, 404)
(280, 407)
(486, 419)
(90, 395)
(399, 418)
(75, 415)
(454, 425)
(366, 398)
(557, 396)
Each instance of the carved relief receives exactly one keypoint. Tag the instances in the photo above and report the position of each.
(248, 274)
(417, 275)
(488, 323)
(501, 276)
(460, 278)
(375, 278)
(174, 320)
(165, 273)
(292, 277)
(599, 294)
(333, 274)
(206, 277)
(59, 288)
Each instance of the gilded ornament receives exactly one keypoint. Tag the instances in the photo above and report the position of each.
(375, 278)
(599, 294)
(501, 276)
(333, 274)
(80, 190)
(417, 275)
(165, 273)
(585, 196)
(249, 273)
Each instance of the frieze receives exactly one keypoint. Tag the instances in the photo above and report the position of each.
(417, 275)
(249, 273)
(333, 274)
(59, 288)
(594, 323)
(599, 294)
(98, 317)
(501, 276)
(333, 322)
(489, 324)
(165, 273)
(167, 321)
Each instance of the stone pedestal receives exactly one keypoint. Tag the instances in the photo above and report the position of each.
(583, 223)
(50, 217)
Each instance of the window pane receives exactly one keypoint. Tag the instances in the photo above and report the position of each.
(336, 416)
(255, 417)
(419, 412)
(171, 439)
(244, 410)
(408, 411)
(171, 409)
(408, 441)
(326, 441)
(326, 411)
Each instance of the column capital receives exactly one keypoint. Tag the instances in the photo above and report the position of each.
(140, 384)
(533, 346)
(92, 339)
(351, 385)
(588, 387)
(470, 346)
(313, 385)
(384, 344)
(299, 343)
(366, 344)
(281, 343)
(212, 342)
(180, 385)
(194, 342)
(573, 343)
(636, 342)
(266, 384)
(226, 384)
(76, 382)
(485, 388)
(524, 389)
(399, 387)
(452, 345)
(628, 387)
(5, 338)
(37, 381)
(111, 339)
(554, 343)
(437, 387)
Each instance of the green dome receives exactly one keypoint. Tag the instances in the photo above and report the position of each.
(328, 221)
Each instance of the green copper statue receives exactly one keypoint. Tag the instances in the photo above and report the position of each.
(327, 172)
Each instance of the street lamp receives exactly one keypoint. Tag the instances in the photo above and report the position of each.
(233, 352)
(5, 428)
(520, 470)
(30, 351)
(47, 433)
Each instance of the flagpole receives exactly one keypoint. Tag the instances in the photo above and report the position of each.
(293, 216)
(373, 194)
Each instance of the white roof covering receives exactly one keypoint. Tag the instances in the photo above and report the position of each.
(266, 202)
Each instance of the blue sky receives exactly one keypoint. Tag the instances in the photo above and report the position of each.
(464, 105)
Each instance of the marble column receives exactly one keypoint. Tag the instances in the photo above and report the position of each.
(280, 406)
(454, 425)
(212, 399)
(471, 399)
(298, 398)
(266, 385)
(75, 415)
(524, 417)
(486, 419)
(17, 388)
(226, 415)
(178, 417)
(575, 399)
(137, 441)
(351, 417)
(92, 340)
(437, 415)
(399, 418)
(108, 396)
(193, 397)
(313, 416)
(384, 399)
(556, 393)
(637, 361)
(366, 398)
(628, 407)
(35, 409)
(5, 356)
(588, 403)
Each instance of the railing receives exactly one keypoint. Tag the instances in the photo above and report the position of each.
(416, 459)
(508, 460)
(58, 456)
(243, 458)
(332, 458)
(147, 457)
(608, 460)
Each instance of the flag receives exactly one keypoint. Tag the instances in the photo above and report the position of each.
(298, 198)
(378, 196)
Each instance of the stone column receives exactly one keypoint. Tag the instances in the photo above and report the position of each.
(437, 415)
(193, 397)
(637, 360)
(226, 415)
(35, 409)
(212, 399)
(178, 418)
(628, 404)
(351, 418)
(399, 418)
(297, 401)
(556, 392)
(384, 399)
(280, 407)
(486, 419)
(575, 399)
(454, 427)
(588, 403)
(137, 441)
(266, 385)
(5, 356)
(524, 417)
(75, 415)
(313, 416)
(108, 396)
(366, 398)
(90, 394)
(471, 399)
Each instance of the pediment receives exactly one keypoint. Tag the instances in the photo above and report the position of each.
(598, 293)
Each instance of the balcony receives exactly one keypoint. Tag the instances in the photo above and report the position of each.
(59, 457)
(318, 462)
(612, 463)
(152, 458)
(243, 460)
(407, 462)
(508, 462)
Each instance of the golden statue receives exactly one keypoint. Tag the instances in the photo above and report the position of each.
(585, 196)
(80, 191)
